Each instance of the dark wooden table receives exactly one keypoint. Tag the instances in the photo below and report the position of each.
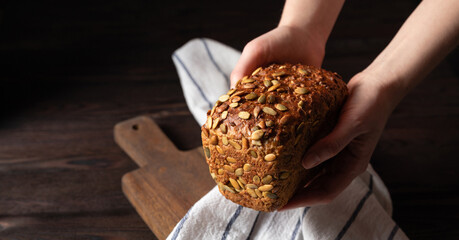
(70, 71)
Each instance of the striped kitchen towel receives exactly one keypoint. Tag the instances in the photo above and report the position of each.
(361, 211)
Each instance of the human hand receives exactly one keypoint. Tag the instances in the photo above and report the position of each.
(345, 152)
(282, 44)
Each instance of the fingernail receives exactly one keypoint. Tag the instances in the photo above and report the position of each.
(311, 161)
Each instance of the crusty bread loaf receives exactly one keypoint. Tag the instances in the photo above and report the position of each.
(257, 133)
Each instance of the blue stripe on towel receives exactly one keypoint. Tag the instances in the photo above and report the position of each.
(192, 79)
(357, 210)
(393, 232)
(213, 60)
(180, 225)
(253, 226)
(230, 223)
(297, 226)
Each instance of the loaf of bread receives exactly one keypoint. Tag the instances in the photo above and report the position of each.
(256, 134)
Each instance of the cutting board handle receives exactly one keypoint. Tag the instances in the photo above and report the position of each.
(145, 139)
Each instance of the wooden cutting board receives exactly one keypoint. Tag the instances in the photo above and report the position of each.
(168, 181)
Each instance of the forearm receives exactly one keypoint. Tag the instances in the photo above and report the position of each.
(427, 36)
(318, 16)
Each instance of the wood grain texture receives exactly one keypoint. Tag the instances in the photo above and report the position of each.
(70, 71)
(168, 182)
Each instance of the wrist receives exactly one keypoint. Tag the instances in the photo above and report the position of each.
(315, 17)
(385, 84)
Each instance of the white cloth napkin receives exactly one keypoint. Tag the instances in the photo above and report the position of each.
(362, 211)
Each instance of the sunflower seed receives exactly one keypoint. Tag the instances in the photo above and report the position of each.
(262, 99)
(234, 105)
(282, 67)
(220, 171)
(267, 179)
(231, 91)
(213, 110)
(242, 180)
(235, 184)
(223, 128)
(278, 74)
(228, 168)
(245, 143)
(235, 144)
(262, 124)
(281, 107)
(271, 99)
(240, 184)
(259, 194)
(247, 167)
(274, 87)
(301, 104)
(275, 82)
(224, 114)
(269, 111)
(207, 152)
(257, 135)
(213, 176)
(256, 111)
(209, 122)
(302, 71)
(231, 159)
(236, 99)
(265, 188)
(219, 149)
(222, 108)
(270, 195)
(251, 186)
(216, 122)
(244, 115)
(248, 80)
(315, 123)
(206, 132)
(223, 98)
(283, 121)
(256, 142)
(225, 140)
(284, 175)
(270, 157)
(229, 189)
(253, 154)
(256, 71)
(267, 83)
(256, 128)
(249, 85)
(301, 90)
(252, 193)
(251, 96)
(269, 123)
(239, 172)
(238, 93)
(214, 140)
(256, 179)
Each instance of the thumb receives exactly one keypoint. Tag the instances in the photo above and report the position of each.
(253, 56)
(330, 145)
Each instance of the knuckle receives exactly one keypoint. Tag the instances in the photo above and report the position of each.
(254, 47)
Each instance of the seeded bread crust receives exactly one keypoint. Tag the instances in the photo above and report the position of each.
(257, 133)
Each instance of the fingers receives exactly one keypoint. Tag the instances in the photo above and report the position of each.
(253, 56)
(330, 145)
(338, 174)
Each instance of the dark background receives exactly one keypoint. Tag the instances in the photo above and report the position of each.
(70, 70)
